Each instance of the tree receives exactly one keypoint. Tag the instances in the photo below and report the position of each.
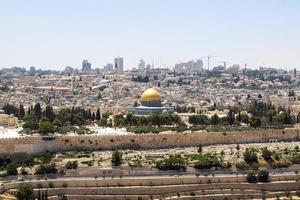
(46, 169)
(239, 118)
(215, 119)
(199, 150)
(89, 115)
(39, 195)
(28, 111)
(38, 111)
(49, 113)
(244, 118)
(21, 111)
(31, 124)
(46, 127)
(24, 192)
(198, 120)
(98, 116)
(119, 120)
(255, 122)
(230, 117)
(116, 159)
(11, 109)
(46, 157)
(11, 169)
(46, 195)
(103, 122)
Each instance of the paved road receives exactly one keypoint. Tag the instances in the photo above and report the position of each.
(63, 178)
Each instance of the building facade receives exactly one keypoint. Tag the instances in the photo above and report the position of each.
(119, 65)
(86, 66)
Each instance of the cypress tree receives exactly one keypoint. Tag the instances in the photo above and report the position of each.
(39, 195)
(89, 114)
(38, 111)
(43, 196)
(98, 114)
(49, 113)
(21, 112)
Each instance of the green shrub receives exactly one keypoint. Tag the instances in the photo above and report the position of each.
(263, 175)
(71, 165)
(173, 162)
(266, 154)
(88, 162)
(251, 177)
(24, 192)
(250, 155)
(116, 159)
(28, 162)
(208, 160)
(46, 169)
(11, 169)
(45, 157)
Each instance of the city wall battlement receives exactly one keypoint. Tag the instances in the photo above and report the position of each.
(34, 144)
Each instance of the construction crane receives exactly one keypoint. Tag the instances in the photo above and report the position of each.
(208, 59)
(224, 63)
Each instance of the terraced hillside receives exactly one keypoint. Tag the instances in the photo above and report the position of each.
(217, 187)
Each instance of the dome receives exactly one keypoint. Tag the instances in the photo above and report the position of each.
(150, 94)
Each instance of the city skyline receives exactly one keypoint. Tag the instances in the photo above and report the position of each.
(55, 34)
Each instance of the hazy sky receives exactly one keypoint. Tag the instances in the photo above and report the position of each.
(57, 33)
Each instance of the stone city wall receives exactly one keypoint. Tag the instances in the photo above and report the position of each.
(35, 144)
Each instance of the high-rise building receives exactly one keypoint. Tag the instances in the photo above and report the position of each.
(108, 67)
(68, 70)
(142, 64)
(119, 65)
(189, 67)
(86, 66)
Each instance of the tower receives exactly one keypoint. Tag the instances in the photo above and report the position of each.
(119, 65)
(86, 66)
(142, 64)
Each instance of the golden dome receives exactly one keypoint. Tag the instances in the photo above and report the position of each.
(150, 94)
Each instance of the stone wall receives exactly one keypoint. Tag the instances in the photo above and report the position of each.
(33, 145)
(8, 120)
(158, 185)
